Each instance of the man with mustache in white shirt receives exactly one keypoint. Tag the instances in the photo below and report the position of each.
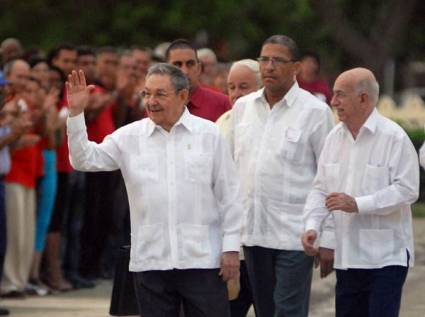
(183, 193)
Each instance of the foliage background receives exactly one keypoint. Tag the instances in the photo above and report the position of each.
(234, 28)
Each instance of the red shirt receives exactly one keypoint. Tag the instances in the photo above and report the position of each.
(208, 104)
(62, 153)
(27, 165)
(101, 126)
(319, 88)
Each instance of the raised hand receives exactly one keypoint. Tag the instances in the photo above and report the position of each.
(78, 92)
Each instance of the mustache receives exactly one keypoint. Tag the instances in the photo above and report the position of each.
(154, 107)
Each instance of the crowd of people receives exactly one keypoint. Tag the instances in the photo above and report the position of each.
(103, 147)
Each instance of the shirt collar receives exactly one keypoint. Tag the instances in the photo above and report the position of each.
(371, 121)
(289, 98)
(185, 120)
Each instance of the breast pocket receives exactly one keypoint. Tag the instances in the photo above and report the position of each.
(144, 168)
(375, 178)
(291, 148)
(198, 167)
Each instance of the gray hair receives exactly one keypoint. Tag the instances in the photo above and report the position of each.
(204, 52)
(8, 67)
(286, 41)
(370, 87)
(252, 66)
(177, 78)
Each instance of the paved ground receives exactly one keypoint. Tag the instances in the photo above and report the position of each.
(95, 302)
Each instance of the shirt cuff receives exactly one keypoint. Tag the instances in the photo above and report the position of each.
(76, 123)
(231, 243)
(365, 204)
(327, 240)
(310, 224)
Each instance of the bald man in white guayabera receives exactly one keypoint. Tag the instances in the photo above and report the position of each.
(367, 178)
(183, 191)
(276, 136)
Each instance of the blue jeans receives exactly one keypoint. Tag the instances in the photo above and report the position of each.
(369, 292)
(280, 281)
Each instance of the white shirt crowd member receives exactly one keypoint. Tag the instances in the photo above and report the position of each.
(276, 151)
(380, 170)
(182, 186)
(422, 155)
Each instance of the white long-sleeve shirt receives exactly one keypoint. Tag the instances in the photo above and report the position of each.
(276, 151)
(380, 170)
(422, 155)
(182, 186)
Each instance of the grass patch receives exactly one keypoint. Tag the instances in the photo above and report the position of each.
(418, 210)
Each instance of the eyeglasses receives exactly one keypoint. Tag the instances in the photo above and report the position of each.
(159, 95)
(264, 60)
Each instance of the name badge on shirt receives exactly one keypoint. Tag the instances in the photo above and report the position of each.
(292, 134)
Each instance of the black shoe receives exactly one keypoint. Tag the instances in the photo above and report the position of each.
(14, 295)
(78, 281)
(4, 311)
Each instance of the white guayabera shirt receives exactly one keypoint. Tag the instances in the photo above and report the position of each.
(276, 151)
(380, 170)
(182, 187)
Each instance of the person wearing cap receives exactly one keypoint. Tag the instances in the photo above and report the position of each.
(183, 191)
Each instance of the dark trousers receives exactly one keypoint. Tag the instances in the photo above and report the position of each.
(73, 223)
(369, 292)
(98, 224)
(3, 227)
(201, 291)
(280, 281)
(61, 203)
(239, 307)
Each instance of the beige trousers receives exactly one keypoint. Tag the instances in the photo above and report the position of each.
(20, 221)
